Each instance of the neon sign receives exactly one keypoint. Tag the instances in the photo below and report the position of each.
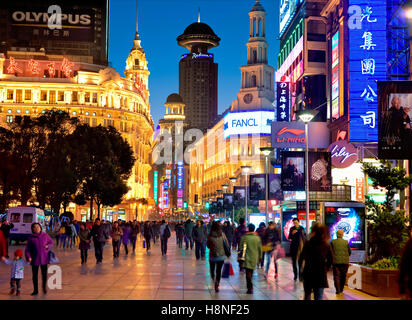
(67, 67)
(180, 184)
(13, 66)
(140, 87)
(155, 185)
(335, 76)
(34, 66)
(343, 154)
(282, 100)
(251, 122)
(367, 65)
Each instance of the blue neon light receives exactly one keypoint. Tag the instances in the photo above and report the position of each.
(367, 65)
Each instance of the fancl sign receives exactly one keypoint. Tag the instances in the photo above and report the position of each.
(250, 122)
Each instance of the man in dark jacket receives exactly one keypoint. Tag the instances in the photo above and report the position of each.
(260, 232)
(180, 233)
(188, 233)
(133, 234)
(341, 252)
(165, 233)
(199, 235)
(405, 267)
(298, 237)
(240, 232)
(229, 232)
(6, 227)
(100, 236)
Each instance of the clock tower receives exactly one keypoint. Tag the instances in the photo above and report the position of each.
(257, 87)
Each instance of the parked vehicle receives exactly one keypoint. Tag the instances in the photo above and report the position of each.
(22, 217)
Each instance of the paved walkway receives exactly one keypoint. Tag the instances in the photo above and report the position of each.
(177, 277)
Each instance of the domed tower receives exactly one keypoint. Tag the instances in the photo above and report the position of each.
(257, 84)
(198, 75)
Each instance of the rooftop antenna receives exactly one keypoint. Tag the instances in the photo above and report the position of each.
(198, 16)
(137, 18)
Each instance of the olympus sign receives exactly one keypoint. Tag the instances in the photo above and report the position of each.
(38, 17)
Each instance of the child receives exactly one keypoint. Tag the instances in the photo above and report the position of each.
(17, 271)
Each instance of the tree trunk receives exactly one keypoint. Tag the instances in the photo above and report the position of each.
(98, 210)
(91, 208)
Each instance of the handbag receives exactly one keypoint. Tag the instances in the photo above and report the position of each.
(226, 247)
(52, 258)
(280, 252)
(267, 247)
(231, 271)
(226, 270)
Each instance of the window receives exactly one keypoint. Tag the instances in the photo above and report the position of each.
(19, 95)
(316, 56)
(74, 96)
(18, 111)
(87, 97)
(87, 120)
(10, 94)
(94, 114)
(94, 97)
(43, 95)
(27, 218)
(52, 97)
(87, 113)
(9, 119)
(94, 122)
(74, 113)
(27, 94)
(60, 96)
(15, 217)
(9, 111)
(27, 111)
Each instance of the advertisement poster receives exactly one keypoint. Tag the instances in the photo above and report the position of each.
(228, 201)
(287, 223)
(219, 204)
(395, 113)
(257, 186)
(275, 187)
(282, 101)
(239, 197)
(320, 176)
(350, 221)
(293, 171)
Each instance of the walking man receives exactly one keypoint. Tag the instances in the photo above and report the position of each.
(297, 236)
(199, 235)
(188, 234)
(100, 236)
(165, 233)
(341, 252)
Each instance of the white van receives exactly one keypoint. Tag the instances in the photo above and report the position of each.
(22, 218)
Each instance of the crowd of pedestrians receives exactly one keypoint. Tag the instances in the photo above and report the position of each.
(312, 257)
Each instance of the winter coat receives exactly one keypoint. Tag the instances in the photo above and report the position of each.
(199, 234)
(148, 231)
(156, 229)
(36, 248)
(163, 229)
(6, 229)
(271, 236)
(216, 246)
(189, 226)
(180, 231)
(261, 231)
(317, 257)
(17, 268)
(405, 268)
(341, 251)
(229, 232)
(134, 231)
(3, 245)
(100, 233)
(298, 239)
(126, 234)
(84, 236)
(116, 233)
(253, 254)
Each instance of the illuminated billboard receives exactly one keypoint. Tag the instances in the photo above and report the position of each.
(248, 122)
(335, 76)
(367, 65)
(287, 12)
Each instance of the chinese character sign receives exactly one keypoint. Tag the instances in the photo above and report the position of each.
(367, 65)
(282, 101)
(180, 184)
(335, 76)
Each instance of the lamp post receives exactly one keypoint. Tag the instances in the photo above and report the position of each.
(233, 180)
(245, 171)
(307, 116)
(224, 186)
(266, 151)
(219, 192)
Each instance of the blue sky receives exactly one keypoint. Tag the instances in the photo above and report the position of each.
(162, 21)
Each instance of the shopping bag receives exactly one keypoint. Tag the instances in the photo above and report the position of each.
(52, 258)
(226, 270)
(231, 271)
(186, 239)
(144, 244)
(280, 252)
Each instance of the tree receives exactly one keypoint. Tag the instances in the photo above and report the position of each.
(387, 229)
(104, 162)
(240, 213)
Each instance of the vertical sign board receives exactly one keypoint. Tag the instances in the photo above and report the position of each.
(335, 76)
(166, 188)
(282, 100)
(367, 64)
(155, 186)
(180, 184)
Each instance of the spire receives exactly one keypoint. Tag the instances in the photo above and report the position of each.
(137, 19)
(136, 41)
(198, 16)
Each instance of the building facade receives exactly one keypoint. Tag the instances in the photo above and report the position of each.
(31, 82)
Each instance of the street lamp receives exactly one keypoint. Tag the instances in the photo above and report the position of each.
(245, 171)
(225, 186)
(307, 116)
(266, 151)
(233, 180)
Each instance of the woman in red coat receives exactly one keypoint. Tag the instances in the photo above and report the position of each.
(3, 247)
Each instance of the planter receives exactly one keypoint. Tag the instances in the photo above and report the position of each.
(379, 283)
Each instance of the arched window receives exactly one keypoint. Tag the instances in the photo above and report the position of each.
(253, 81)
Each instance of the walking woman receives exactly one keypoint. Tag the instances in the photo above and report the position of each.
(126, 236)
(317, 255)
(84, 245)
(271, 242)
(116, 235)
(216, 243)
(37, 253)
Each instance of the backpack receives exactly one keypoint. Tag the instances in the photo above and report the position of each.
(166, 232)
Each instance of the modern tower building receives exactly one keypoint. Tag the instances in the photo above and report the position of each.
(198, 75)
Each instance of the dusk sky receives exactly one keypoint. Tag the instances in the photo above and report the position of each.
(162, 21)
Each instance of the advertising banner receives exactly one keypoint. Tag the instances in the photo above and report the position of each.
(320, 176)
(395, 113)
(348, 217)
(293, 171)
(283, 101)
(292, 135)
(343, 154)
(239, 197)
(275, 187)
(228, 201)
(287, 223)
(257, 186)
(335, 76)
(248, 123)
